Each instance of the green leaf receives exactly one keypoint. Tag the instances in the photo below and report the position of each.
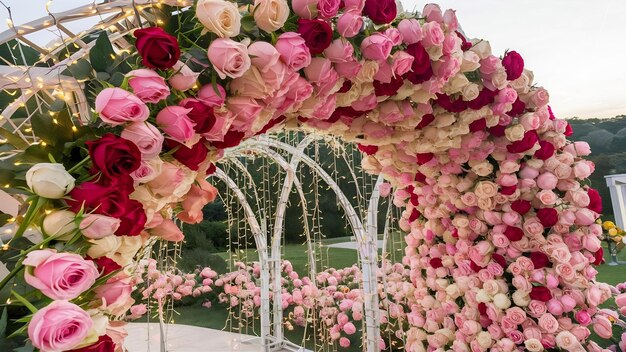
(3, 323)
(12, 50)
(25, 302)
(117, 79)
(81, 69)
(102, 54)
(54, 130)
(12, 139)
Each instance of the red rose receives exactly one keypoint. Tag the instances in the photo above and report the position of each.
(423, 158)
(157, 48)
(540, 293)
(436, 263)
(548, 216)
(465, 44)
(499, 259)
(317, 34)
(539, 259)
(568, 130)
(380, 11)
(513, 233)
(190, 157)
(111, 200)
(517, 109)
(446, 102)
(595, 201)
(104, 344)
(367, 149)
(415, 214)
(425, 121)
(345, 86)
(475, 267)
(497, 130)
(231, 139)
(388, 89)
(529, 141)
(105, 265)
(211, 169)
(421, 69)
(521, 206)
(508, 190)
(546, 151)
(513, 64)
(201, 114)
(482, 308)
(420, 177)
(484, 98)
(598, 256)
(551, 113)
(114, 156)
(478, 125)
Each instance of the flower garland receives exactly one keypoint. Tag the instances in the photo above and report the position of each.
(501, 233)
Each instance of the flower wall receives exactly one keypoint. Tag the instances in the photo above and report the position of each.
(501, 233)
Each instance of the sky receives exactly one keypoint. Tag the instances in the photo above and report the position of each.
(576, 48)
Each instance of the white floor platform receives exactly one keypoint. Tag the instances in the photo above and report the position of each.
(144, 337)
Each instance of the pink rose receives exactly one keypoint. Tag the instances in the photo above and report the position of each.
(348, 70)
(195, 200)
(293, 50)
(245, 111)
(603, 327)
(263, 55)
(376, 47)
(319, 70)
(583, 317)
(585, 217)
(60, 326)
(148, 85)
(115, 295)
(168, 180)
(117, 106)
(583, 169)
(339, 50)
(60, 276)
(184, 78)
(96, 226)
(175, 122)
(349, 328)
(410, 30)
(547, 197)
(349, 23)
(357, 5)
(229, 58)
(567, 341)
(146, 137)
(547, 181)
(252, 84)
(433, 34)
(344, 342)
(327, 9)
(168, 231)
(578, 149)
(306, 9)
(138, 310)
(401, 62)
(210, 97)
(548, 323)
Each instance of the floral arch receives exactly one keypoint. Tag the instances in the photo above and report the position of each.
(112, 132)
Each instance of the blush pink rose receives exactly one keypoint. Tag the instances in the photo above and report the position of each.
(60, 276)
(229, 58)
(339, 50)
(212, 97)
(168, 231)
(195, 200)
(117, 106)
(148, 85)
(327, 9)
(293, 50)
(585, 217)
(410, 30)
(184, 78)
(603, 327)
(146, 137)
(376, 47)
(263, 55)
(60, 326)
(306, 9)
(96, 226)
(168, 180)
(176, 124)
(115, 295)
(350, 23)
(433, 35)
(578, 149)
(547, 181)
(401, 62)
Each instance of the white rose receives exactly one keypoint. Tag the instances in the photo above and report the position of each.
(482, 49)
(106, 246)
(501, 301)
(484, 339)
(60, 223)
(471, 62)
(453, 291)
(521, 298)
(533, 345)
(456, 84)
(367, 72)
(98, 328)
(482, 169)
(270, 15)
(482, 296)
(470, 92)
(49, 180)
(514, 133)
(220, 17)
(499, 78)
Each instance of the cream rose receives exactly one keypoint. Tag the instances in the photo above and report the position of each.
(482, 169)
(60, 223)
(514, 133)
(49, 180)
(486, 189)
(470, 91)
(220, 17)
(270, 15)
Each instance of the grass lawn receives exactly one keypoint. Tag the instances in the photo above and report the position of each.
(217, 316)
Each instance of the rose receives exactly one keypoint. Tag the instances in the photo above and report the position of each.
(148, 85)
(327, 9)
(595, 201)
(220, 17)
(60, 224)
(603, 326)
(486, 189)
(157, 48)
(376, 47)
(175, 123)
(184, 78)
(540, 260)
(199, 113)
(115, 294)
(49, 180)
(190, 157)
(197, 197)
(170, 178)
(212, 95)
(60, 276)
(270, 15)
(253, 84)
(540, 293)
(380, 11)
(168, 231)
(229, 58)
(293, 50)
(59, 326)
(114, 156)
(411, 31)
(433, 34)
(349, 24)
(116, 106)
(317, 34)
(340, 50)
(513, 64)
(104, 344)
(146, 137)
(305, 8)
(96, 226)
(148, 170)
(548, 217)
